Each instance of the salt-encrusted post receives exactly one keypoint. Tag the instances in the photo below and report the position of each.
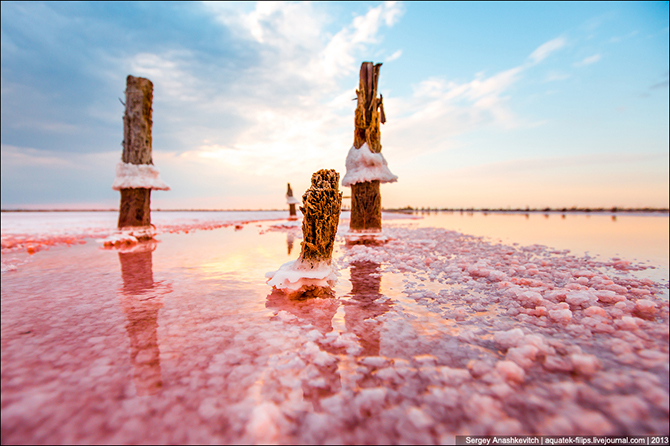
(366, 166)
(321, 207)
(135, 174)
(291, 201)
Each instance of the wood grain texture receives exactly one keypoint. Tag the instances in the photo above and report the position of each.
(322, 203)
(135, 207)
(366, 206)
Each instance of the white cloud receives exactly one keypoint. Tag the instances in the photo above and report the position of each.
(588, 60)
(295, 115)
(556, 76)
(394, 56)
(544, 50)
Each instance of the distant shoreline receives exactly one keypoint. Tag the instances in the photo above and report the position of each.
(406, 210)
(612, 210)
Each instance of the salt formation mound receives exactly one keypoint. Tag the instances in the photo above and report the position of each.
(364, 165)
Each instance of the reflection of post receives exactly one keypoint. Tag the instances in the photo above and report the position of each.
(360, 312)
(290, 238)
(291, 201)
(319, 313)
(141, 308)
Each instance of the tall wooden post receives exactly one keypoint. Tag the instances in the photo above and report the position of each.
(135, 205)
(366, 202)
(291, 201)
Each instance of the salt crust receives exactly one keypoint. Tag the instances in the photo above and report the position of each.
(432, 376)
(292, 200)
(126, 239)
(135, 176)
(366, 235)
(364, 165)
(298, 275)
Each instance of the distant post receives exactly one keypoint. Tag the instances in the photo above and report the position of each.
(366, 166)
(135, 174)
(291, 201)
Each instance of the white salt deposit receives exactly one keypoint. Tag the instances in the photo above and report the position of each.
(299, 275)
(292, 200)
(146, 176)
(364, 165)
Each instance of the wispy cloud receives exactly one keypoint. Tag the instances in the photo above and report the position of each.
(544, 50)
(588, 60)
(394, 56)
(439, 110)
(662, 84)
(617, 39)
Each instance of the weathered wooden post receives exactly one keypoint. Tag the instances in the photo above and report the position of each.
(136, 175)
(291, 201)
(366, 166)
(321, 207)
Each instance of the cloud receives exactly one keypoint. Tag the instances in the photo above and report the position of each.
(394, 56)
(588, 60)
(617, 39)
(662, 84)
(439, 110)
(556, 76)
(544, 50)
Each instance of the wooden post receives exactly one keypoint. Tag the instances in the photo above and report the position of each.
(291, 201)
(321, 214)
(135, 205)
(366, 199)
(313, 271)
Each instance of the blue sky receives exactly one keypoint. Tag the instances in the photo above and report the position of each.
(488, 104)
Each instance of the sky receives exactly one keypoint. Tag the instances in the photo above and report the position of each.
(493, 104)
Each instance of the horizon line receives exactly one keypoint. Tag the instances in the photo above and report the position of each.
(403, 209)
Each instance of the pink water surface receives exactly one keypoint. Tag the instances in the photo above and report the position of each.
(434, 334)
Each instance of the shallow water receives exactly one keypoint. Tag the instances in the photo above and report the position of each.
(433, 334)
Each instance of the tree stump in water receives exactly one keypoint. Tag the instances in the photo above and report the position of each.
(321, 214)
(135, 208)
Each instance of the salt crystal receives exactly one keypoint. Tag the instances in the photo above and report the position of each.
(507, 339)
(646, 306)
(510, 371)
(585, 364)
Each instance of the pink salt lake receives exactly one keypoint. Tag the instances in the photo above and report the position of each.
(434, 334)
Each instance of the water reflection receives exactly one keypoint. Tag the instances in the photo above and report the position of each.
(140, 303)
(290, 238)
(319, 312)
(365, 305)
